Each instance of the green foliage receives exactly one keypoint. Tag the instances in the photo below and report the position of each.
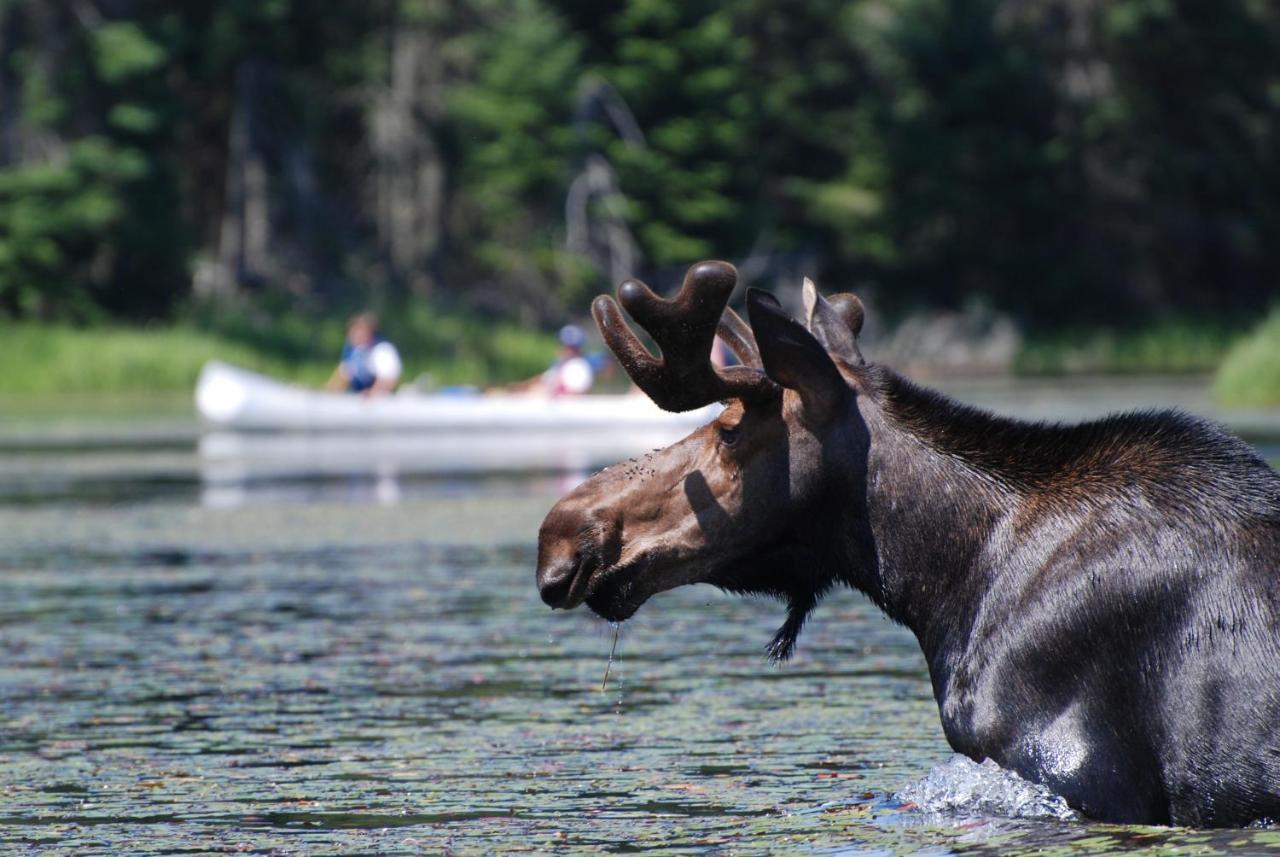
(88, 226)
(53, 219)
(514, 134)
(1073, 164)
(121, 50)
(516, 113)
(1175, 346)
(1190, 134)
(680, 68)
(960, 184)
(808, 76)
(1250, 374)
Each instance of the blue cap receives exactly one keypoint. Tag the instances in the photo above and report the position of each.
(571, 336)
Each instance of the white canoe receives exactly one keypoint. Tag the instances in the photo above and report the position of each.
(228, 397)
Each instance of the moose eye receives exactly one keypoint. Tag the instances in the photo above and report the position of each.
(729, 435)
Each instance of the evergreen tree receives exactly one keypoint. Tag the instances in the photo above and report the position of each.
(512, 139)
(692, 188)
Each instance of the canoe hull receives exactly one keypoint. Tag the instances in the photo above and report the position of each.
(228, 397)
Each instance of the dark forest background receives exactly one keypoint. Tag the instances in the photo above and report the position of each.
(1066, 161)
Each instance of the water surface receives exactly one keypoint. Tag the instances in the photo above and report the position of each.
(322, 667)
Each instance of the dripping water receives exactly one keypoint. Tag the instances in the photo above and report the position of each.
(604, 683)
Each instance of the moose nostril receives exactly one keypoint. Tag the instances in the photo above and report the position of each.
(555, 584)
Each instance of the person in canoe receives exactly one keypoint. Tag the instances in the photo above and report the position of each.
(370, 364)
(572, 373)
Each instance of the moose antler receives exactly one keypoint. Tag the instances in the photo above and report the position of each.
(684, 328)
(737, 334)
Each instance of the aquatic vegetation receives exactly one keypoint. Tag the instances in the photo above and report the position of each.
(184, 679)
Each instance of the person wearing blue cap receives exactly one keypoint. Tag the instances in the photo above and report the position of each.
(570, 375)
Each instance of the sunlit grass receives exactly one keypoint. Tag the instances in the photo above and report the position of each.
(1250, 374)
(40, 358)
(45, 358)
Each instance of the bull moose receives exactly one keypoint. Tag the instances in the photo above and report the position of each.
(1098, 604)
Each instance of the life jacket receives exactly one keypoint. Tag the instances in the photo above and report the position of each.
(358, 364)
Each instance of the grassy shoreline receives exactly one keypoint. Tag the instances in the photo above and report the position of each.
(49, 360)
(1249, 375)
(45, 359)
(40, 359)
(1244, 362)
(1172, 347)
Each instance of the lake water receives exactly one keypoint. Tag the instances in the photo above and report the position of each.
(360, 663)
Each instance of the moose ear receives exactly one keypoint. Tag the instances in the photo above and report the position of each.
(792, 356)
(835, 323)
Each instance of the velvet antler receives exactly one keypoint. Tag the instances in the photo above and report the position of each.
(737, 334)
(684, 328)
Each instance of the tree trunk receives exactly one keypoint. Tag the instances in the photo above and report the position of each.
(410, 173)
(244, 235)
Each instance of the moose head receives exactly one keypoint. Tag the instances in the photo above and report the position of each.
(741, 503)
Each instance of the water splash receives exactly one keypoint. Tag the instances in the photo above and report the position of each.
(964, 788)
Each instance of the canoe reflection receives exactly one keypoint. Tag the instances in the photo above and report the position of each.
(234, 463)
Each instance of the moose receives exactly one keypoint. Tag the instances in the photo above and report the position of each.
(1098, 604)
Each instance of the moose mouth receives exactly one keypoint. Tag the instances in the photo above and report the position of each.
(611, 592)
(613, 595)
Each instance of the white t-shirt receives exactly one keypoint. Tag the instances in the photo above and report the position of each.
(385, 361)
(571, 377)
(576, 376)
